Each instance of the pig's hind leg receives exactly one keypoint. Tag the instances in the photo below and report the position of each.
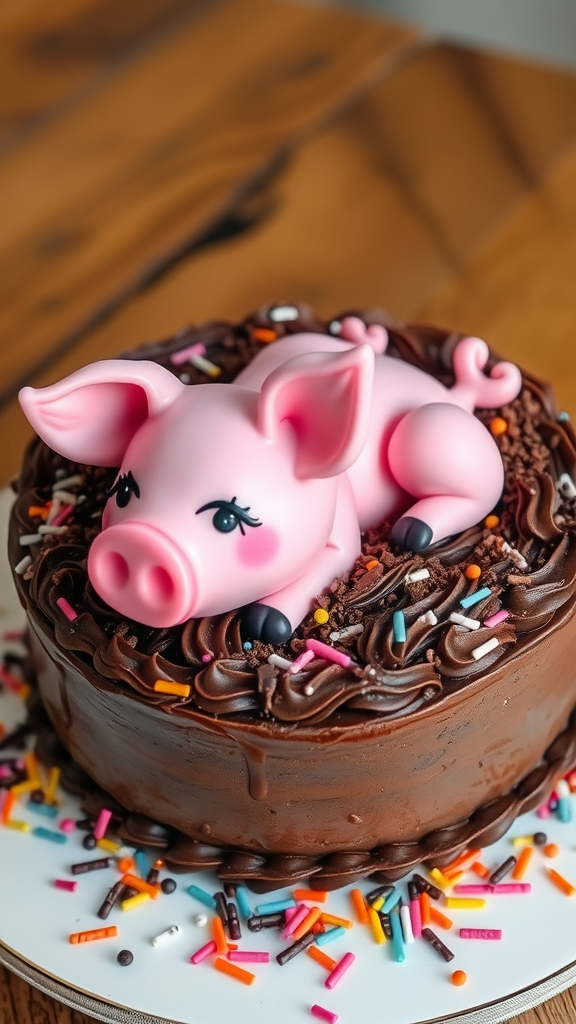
(446, 459)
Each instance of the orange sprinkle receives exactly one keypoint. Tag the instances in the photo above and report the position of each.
(39, 510)
(359, 906)
(8, 805)
(158, 864)
(233, 970)
(126, 864)
(473, 572)
(219, 935)
(341, 922)
(498, 426)
(491, 522)
(318, 928)
(560, 882)
(478, 868)
(321, 957)
(94, 933)
(174, 689)
(425, 908)
(439, 918)
(264, 334)
(459, 978)
(522, 863)
(141, 886)
(551, 850)
(464, 860)
(310, 894)
(372, 564)
(304, 927)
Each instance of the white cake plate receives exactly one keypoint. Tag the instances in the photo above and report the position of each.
(535, 960)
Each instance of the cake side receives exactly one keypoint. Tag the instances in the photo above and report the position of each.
(432, 735)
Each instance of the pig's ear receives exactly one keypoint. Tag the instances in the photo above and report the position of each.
(92, 415)
(327, 399)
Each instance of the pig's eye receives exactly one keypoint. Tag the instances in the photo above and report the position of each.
(124, 488)
(229, 515)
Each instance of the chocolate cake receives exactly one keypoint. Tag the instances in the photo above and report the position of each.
(408, 753)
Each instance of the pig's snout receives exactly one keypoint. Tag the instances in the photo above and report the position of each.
(142, 574)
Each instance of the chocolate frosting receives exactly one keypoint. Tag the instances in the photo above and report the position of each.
(528, 561)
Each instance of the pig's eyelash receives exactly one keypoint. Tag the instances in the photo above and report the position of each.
(234, 509)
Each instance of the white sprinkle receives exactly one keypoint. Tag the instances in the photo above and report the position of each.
(562, 788)
(428, 618)
(479, 652)
(341, 634)
(60, 474)
(566, 486)
(68, 481)
(45, 529)
(463, 620)
(22, 565)
(163, 937)
(308, 690)
(185, 378)
(518, 559)
(275, 659)
(201, 920)
(206, 366)
(282, 313)
(417, 575)
(65, 496)
(30, 538)
(335, 327)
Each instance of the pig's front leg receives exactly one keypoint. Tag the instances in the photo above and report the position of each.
(273, 619)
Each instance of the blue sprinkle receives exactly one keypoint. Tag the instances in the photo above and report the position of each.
(202, 896)
(243, 904)
(563, 417)
(391, 901)
(275, 908)
(329, 936)
(247, 645)
(563, 810)
(48, 810)
(47, 833)
(467, 602)
(399, 627)
(397, 938)
(141, 861)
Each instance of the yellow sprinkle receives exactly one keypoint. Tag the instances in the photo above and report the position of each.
(491, 522)
(439, 879)
(53, 780)
(109, 845)
(321, 616)
(18, 826)
(135, 901)
(372, 564)
(31, 765)
(378, 903)
(464, 903)
(175, 689)
(24, 787)
(376, 925)
(521, 840)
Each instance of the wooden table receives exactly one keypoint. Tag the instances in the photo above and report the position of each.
(167, 161)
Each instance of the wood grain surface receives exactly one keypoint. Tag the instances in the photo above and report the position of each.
(168, 161)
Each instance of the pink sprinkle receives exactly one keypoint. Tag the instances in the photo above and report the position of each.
(5, 772)
(298, 916)
(496, 618)
(67, 825)
(62, 883)
(203, 952)
(102, 822)
(10, 635)
(289, 913)
(328, 653)
(301, 661)
(207, 657)
(543, 811)
(324, 1014)
(340, 969)
(502, 889)
(183, 356)
(245, 957)
(61, 515)
(67, 609)
(416, 918)
(480, 933)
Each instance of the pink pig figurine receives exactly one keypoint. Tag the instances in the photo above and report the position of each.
(253, 494)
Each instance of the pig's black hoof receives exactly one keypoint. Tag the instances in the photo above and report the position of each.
(260, 622)
(410, 534)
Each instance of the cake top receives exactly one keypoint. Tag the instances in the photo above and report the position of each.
(388, 619)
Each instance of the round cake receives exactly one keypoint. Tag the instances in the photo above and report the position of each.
(394, 752)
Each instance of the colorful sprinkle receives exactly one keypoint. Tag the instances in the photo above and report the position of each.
(184, 355)
(399, 627)
(47, 833)
(480, 933)
(336, 933)
(491, 522)
(94, 933)
(323, 1014)
(282, 314)
(459, 978)
(398, 950)
(203, 952)
(328, 653)
(135, 901)
(341, 967)
(341, 634)
(498, 426)
(304, 659)
(372, 564)
(490, 645)
(164, 936)
(463, 903)
(63, 883)
(473, 572)
(265, 334)
(202, 896)
(476, 597)
(495, 619)
(321, 616)
(67, 608)
(248, 957)
(102, 822)
(321, 957)
(560, 882)
(417, 576)
(359, 906)
(463, 620)
(279, 662)
(238, 973)
(174, 689)
(551, 850)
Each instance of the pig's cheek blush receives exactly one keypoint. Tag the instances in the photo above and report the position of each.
(258, 546)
